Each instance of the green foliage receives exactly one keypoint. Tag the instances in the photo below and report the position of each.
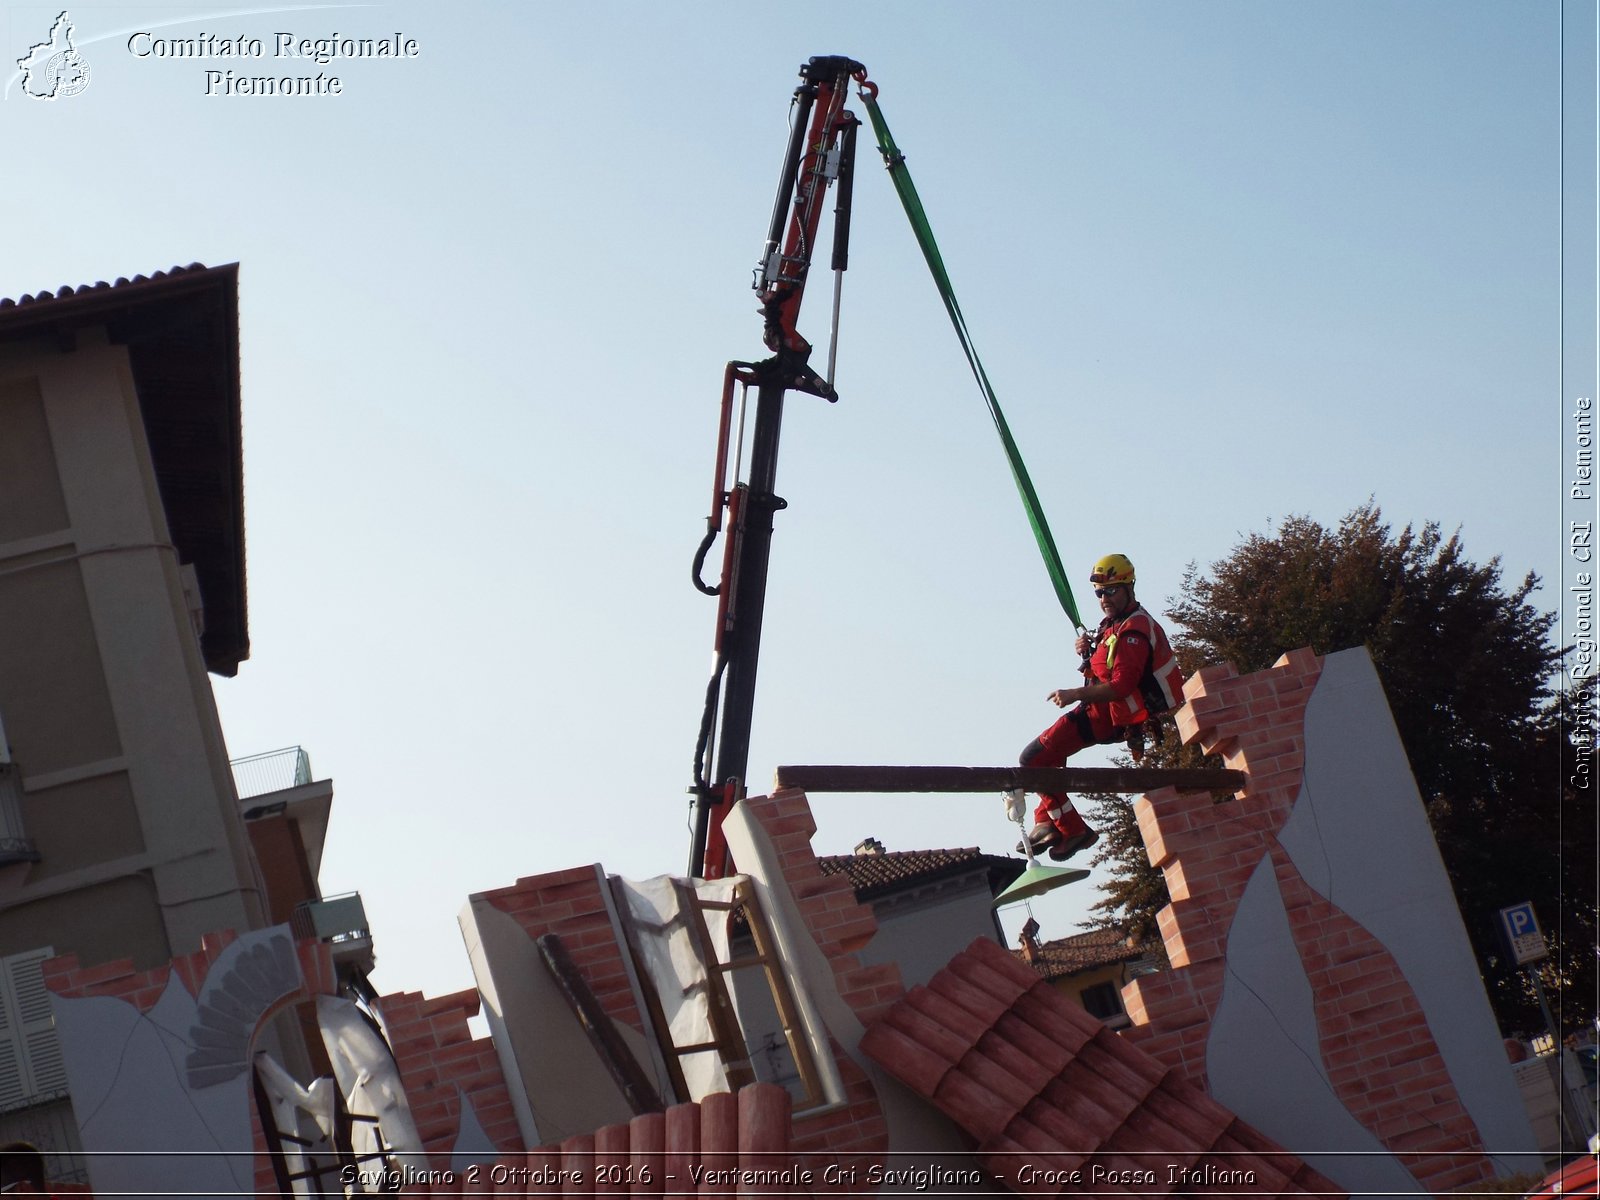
(1466, 666)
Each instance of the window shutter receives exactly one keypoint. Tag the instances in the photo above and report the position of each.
(30, 1054)
(13, 1088)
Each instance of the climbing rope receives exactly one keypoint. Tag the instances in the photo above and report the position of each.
(894, 160)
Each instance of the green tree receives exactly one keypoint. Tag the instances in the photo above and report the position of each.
(1466, 665)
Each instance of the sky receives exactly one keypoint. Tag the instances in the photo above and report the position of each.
(1225, 262)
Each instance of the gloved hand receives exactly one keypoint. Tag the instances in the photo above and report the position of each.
(1016, 801)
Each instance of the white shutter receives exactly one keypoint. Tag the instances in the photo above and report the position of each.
(13, 1075)
(30, 1055)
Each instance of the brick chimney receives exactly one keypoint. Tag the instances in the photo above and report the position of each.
(1029, 938)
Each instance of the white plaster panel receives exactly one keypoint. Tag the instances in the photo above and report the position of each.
(1359, 835)
(126, 1073)
(1263, 1057)
(558, 1083)
(134, 1081)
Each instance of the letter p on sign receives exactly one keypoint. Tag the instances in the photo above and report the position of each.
(1522, 933)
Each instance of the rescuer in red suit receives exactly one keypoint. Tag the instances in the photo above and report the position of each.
(1132, 673)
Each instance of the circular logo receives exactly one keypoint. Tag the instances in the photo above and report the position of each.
(66, 73)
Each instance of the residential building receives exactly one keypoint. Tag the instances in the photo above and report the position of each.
(123, 842)
(927, 903)
(1092, 967)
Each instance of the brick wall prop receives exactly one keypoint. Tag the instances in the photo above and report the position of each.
(575, 904)
(1322, 983)
(457, 1094)
(159, 1060)
(729, 1144)
(556, 1084)
(1058, 1103)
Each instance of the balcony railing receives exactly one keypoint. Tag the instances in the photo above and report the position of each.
(273, 771)
(14, 848)
(341, 921)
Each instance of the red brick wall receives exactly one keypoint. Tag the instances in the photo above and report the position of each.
(689, 1150)
(63, 975)
(1383, 1063)
(840, 926)
(571, 905)
(438, 1055)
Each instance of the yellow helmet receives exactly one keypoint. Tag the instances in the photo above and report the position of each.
(1113, 570)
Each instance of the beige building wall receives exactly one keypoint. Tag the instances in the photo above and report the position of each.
(104, 694)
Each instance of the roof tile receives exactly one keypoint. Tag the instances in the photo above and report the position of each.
(1071, 1025)
(871, 874)
(950, 1015)
(999, 1080)
(1079, 1121)
(985, 1007)
(1197, 1117)
(67, 291)
(1101, 1095)
(917, 1066)
(1051, 1054)
(1085, 952)
(971, 1104)
(915, 1023)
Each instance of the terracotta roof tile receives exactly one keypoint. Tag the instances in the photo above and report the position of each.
(69, 291)
(1094, 1098)
(873, 874)
(1086, 951)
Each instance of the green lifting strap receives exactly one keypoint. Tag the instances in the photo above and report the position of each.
(895, 161)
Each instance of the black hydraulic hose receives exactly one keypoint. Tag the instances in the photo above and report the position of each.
(708, 718)
(700, 561)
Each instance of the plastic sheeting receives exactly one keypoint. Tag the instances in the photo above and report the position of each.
(671, 958)
(365, 1070)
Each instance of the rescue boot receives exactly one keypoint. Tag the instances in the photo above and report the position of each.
(1040, 836)
(1066, 844)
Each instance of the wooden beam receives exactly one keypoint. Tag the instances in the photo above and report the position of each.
(1000, 779)
(625, 1070)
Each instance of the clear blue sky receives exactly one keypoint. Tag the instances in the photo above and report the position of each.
(1225, 262)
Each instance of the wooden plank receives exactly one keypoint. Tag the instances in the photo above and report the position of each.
(625, 1070)
(1000, 779)
(794, 1030)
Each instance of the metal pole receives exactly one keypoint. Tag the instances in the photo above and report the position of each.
(742, 639)
(1573, 1125)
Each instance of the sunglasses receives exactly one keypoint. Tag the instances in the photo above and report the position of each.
(1102, 593)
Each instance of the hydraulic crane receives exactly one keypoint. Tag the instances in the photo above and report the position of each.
(821, 150)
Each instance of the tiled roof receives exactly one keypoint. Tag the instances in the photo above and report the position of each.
(1045, 1089)
(874, 874)
(90, 289)
(1086, 951)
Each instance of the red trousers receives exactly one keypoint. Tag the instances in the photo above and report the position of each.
(1084, 725)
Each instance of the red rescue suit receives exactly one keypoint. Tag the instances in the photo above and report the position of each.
(1133, 656)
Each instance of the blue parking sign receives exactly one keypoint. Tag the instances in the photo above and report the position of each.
(1522, 933)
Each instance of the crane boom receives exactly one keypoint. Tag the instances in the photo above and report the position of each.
(820, 150)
